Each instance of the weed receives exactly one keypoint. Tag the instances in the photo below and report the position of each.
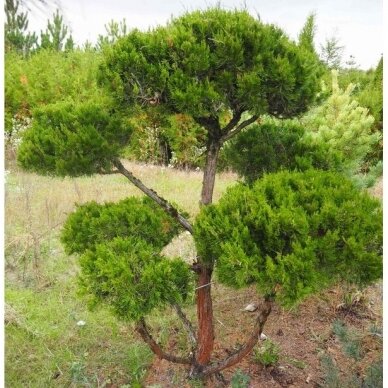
(331, 373)
(374, 375)
(353, 301)
(350, 341)
(139, 357)
(332, 378)
(352, 347)
(77, 372)
(194, 383)
(297, 363)
(267, 354)
(240, 379)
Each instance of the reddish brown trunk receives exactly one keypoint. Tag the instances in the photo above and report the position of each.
(209, 174)
(204, 300)
(205, 317)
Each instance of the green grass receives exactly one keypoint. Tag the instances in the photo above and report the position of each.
(44, 346)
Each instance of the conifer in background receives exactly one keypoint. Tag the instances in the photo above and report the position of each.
(56, 36)
(16, 36)
(344, 125)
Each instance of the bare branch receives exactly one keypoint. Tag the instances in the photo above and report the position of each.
(187, 324)
(239, 127)
(232, 123)
(164, 204)
(142, 329)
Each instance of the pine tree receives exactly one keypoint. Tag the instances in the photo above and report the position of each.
(343, 125)
(219, 68)
(331, 53)
(307, 34)
(15, 30)
(114, 31)
(56, 35)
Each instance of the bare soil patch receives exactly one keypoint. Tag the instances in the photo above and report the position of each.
(303, 336)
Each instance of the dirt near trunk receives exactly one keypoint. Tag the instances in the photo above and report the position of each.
(303, 336)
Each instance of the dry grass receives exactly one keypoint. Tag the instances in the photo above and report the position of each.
(37, 206)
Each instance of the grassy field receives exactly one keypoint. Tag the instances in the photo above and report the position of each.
(46, 343)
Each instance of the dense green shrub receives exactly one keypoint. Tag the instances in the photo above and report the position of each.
(119, 246)
(69, 138)
(93, 223)
(132, 278)
(49, 77)
(275, 145)
(292, 234)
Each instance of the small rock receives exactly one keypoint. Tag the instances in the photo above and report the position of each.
(263, 337)
(308, 379)
(251, 307)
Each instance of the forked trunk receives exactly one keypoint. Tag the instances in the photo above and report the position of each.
(262, 316)
(204, 299)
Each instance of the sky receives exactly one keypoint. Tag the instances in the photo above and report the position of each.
(357, 23)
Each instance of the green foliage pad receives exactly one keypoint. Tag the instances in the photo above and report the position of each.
(121, 265)
(69, 138)
(206, 63)
(292, 234)
(276, 145)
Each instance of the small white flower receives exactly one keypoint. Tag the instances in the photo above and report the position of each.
(81, 323)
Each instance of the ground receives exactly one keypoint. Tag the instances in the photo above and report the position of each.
(45, 346)
(303, 335)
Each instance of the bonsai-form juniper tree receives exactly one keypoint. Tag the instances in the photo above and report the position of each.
(224, 69)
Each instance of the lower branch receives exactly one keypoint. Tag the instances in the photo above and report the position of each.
(153, 195)
(265, 310)
(187, 324)
(142, 329)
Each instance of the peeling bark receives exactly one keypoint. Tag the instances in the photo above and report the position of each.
(205, 317)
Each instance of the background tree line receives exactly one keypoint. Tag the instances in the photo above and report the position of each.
(41, 71)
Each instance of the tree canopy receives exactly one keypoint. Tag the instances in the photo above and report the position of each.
(208, 62)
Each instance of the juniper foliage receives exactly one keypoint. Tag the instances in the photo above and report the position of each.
(292, 234)
(119, 245)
